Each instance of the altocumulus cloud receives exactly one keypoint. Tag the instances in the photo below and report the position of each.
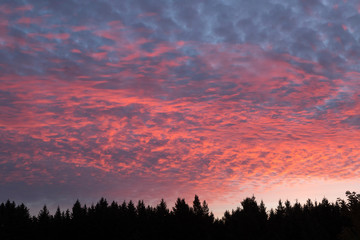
(151, 99)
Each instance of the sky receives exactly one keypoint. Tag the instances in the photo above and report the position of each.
(154, 99)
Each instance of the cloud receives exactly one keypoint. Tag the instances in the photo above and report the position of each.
(148, 98)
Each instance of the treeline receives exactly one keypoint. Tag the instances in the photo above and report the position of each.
(251, 220)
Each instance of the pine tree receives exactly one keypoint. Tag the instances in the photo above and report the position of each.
(44, 215)
(161, 209)
(57, 216)
(197, 208)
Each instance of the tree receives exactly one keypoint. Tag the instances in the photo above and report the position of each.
(209, 216)
(131, 209)
(181, 208)
(197, 208)
(77, 211)
(44, 216)
(161, 209)
(57, 216)
(141, 209)
(353, 213)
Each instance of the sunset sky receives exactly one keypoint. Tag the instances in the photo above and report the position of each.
(160, 99)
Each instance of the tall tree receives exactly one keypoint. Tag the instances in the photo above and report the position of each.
(352, 231)
(198, 210)
(44, 215)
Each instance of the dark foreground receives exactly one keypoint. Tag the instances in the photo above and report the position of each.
(323, 220)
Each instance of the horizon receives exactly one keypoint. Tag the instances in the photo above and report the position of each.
(218, 211)
(218, 215)
(142, 99)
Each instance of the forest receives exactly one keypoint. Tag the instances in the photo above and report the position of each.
(129, 220)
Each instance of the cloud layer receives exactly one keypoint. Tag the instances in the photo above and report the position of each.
(151, 99)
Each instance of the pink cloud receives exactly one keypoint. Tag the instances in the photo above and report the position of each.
(236, 117)
(99, 55)
(75, 50)
(80, 28)
(27, 20)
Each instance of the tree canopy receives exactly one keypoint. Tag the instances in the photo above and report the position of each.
(251, 220)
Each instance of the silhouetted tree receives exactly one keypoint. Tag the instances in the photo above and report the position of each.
(318, 220)
(198, 210)
(44, 216)
(161, 209)
(351, 209)
(181, 208)
(57, 216)
(15, 221)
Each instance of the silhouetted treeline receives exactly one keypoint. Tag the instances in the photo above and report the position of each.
(129, 220)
